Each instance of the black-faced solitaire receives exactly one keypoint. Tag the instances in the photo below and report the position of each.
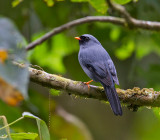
(97, 64)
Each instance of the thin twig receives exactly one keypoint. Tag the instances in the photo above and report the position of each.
(121, 9)
(73, 23)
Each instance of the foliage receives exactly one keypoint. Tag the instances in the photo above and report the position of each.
(42, 127)
(135, 52)
(122, 1)
(16, 2)
(43, 130)
(12, 49)
(61, 47)
(20, 136)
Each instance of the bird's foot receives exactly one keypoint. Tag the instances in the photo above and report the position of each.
(87, 83)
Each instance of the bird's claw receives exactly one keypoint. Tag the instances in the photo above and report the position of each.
(87, 83)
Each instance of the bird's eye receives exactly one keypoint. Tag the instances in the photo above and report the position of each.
(86, 38)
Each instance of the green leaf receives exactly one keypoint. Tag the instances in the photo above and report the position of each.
(79, 0)
(55, 92)
(122, 1)
(43, 130)
(21, 136)
(29, 115)
(16, 2)
(50, 3)
(156, 112)
(42, 127)
(99, 5)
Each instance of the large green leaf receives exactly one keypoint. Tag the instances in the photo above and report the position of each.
(42, 127)
(99, 5)
(43, 130)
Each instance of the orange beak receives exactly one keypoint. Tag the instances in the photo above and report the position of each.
(78, 38)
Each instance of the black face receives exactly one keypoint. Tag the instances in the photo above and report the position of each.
(84, 38)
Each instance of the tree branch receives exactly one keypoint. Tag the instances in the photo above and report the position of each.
(150, 25)
(132, 22)
(73, 23)
(122, 11)
(135, 96)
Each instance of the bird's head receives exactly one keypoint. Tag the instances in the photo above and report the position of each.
(87, 40)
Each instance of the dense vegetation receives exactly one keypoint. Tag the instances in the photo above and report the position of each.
(135, 52)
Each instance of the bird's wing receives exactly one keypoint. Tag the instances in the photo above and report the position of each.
(113, 71)
(100, 72)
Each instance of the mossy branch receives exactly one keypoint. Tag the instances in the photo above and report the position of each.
(135, 96)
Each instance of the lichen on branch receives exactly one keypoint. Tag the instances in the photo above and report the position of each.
(135, 96)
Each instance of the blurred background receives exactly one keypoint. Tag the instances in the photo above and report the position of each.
(135, 52)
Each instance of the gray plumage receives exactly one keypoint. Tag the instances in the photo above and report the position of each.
(97, 64)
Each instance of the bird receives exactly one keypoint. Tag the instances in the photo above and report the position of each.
(98, 65)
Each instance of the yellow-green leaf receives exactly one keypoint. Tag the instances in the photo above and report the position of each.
(99, 5)
(122, 1)
(24, 136)
(54, 92)
(50, 3)
(16, 2)
(79, 0)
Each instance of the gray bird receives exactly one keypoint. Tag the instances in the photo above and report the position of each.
(97, 64)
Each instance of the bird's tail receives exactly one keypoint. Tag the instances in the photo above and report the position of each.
(113, 99)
